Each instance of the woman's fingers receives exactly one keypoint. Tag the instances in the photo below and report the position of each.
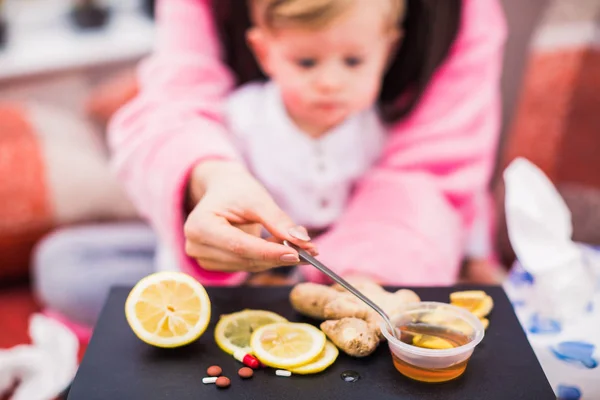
(280, 225)
(308, 246)
(255, 230)
(212, 258)
(223, 230)
(216, 232)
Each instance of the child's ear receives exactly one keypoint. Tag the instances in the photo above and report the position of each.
(257, 41)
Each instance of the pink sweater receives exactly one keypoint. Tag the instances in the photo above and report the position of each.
(407, 221)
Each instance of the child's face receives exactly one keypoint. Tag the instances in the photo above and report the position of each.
(326, 75)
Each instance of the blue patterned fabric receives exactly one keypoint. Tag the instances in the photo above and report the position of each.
(567, 350)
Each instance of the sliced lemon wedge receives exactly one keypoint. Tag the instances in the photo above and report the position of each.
(431, 342)
(168, 309)
(323, 361)
(233, 331)
(287, 344)
(476, 301)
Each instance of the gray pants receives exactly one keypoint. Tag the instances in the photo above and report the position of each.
(74, 268)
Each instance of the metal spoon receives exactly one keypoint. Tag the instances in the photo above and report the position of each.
(317, 264)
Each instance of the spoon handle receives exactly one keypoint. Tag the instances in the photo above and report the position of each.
(320, 266)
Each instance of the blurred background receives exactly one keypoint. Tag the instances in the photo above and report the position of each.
(67, 65)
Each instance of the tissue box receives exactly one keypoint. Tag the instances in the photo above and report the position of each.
(568, 351)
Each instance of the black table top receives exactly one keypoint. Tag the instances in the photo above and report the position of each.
(117, 365)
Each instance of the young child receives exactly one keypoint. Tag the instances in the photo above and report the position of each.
(313, 129)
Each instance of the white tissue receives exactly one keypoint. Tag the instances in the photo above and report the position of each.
(44, 368)
(540, 232)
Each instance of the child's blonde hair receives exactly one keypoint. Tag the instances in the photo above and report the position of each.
(313, 14)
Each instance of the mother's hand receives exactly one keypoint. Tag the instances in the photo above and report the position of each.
(223, 230)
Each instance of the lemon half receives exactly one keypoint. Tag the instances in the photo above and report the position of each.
(168, 309)
(476, 301)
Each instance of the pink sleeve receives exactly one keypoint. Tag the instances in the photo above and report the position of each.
(406, 223)
(174, 122)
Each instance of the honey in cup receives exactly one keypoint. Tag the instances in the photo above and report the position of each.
(434, 341)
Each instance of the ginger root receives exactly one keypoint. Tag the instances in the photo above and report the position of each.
(349, 323)
(353, 335)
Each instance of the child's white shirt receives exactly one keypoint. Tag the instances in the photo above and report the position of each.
(310, 179)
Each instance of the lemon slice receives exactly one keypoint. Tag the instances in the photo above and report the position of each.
(233, 331)
(168, 309)
(485, 322)
(476, 301)
(323, 361)
(431, 342)
(287, 345)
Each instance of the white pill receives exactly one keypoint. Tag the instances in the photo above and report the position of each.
(209, 379)
(283, 372)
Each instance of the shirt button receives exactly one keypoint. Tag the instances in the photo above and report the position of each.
(324, 203)
(321, 166)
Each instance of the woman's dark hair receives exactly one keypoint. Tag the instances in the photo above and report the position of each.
(430, 27)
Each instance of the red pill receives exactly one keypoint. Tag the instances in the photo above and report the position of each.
(223, 382)
(247, 359)
(214, 370)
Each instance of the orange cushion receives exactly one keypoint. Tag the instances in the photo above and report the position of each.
(25, 211)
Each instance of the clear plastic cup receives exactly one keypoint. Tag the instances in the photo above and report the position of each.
(443, 336)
